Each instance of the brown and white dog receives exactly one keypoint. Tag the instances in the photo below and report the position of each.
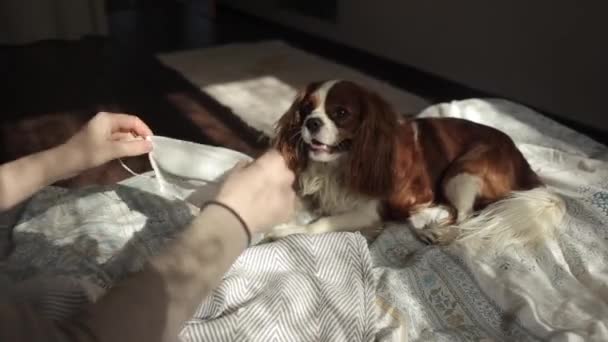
(358, 164)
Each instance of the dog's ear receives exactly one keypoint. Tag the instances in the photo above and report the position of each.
(373, 148)
(288, 137)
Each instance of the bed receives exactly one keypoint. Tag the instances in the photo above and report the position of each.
(69, 245)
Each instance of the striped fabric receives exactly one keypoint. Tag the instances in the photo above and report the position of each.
(302, 288)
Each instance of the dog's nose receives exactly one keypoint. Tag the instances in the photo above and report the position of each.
(313, 125)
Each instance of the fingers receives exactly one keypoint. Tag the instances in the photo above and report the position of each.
(272, 156)
(241, 164)
(129, 123)
(276, 161)
(122, 136)
(132, 148)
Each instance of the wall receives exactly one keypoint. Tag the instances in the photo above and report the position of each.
(150, 27)
(27, 21)
(549, 54)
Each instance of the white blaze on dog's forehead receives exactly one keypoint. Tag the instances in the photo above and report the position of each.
(322, 92)
(328, 133)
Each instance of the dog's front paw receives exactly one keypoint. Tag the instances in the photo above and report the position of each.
(320, 226)
(437, 235)
(284, 230)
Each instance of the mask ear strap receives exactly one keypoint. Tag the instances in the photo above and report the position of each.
(124, 166)
(160, 180)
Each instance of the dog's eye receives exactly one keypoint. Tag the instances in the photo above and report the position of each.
(306, 108)
(340, 113)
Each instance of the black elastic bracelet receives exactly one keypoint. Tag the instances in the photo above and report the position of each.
(238, 217)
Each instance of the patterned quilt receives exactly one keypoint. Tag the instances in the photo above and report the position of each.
(71, 245)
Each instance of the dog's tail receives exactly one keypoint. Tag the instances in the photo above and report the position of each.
(524, 218)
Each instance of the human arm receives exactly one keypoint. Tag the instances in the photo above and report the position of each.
(173, 284)
(154, 303)
(151, 305)
(99, 141)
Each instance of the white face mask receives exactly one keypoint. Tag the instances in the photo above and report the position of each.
(193, 161)
(189, 161)
(201, 166)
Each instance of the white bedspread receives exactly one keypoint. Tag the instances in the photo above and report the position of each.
(332, 288)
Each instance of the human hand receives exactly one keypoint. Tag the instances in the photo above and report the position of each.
(106, 137)
(260, 192)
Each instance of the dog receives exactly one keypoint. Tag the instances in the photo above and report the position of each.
(359, 164)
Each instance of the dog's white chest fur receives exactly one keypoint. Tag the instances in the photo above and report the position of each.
(325, 184)
(339, 208)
